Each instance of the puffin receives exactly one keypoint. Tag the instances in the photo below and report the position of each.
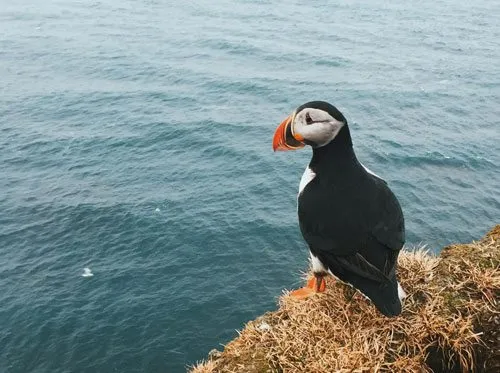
(349, 217)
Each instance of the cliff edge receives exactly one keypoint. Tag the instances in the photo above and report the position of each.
(450, 323)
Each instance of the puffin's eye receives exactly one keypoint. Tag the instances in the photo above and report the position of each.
(308, 118)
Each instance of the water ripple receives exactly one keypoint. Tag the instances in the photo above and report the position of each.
(136, 141)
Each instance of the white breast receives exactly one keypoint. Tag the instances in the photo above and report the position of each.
(307, 177)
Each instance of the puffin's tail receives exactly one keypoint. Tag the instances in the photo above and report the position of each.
(385, 296)
(384, 291)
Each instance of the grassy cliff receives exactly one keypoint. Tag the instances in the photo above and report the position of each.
(450, 323)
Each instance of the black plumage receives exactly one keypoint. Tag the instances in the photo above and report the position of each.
(352, 221)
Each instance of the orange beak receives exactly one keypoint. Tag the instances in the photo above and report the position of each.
(284, 139)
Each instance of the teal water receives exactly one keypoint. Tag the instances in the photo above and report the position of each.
(136, 141)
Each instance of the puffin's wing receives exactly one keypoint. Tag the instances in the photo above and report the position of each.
(388, 226)
(357, 230)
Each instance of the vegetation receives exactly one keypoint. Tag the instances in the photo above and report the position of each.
(450, 323)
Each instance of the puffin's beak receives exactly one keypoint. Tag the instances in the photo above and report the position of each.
(284, 139)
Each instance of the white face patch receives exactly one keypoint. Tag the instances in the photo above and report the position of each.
(316, 125)
(307, 177)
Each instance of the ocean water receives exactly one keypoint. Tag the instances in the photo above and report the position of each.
(135, 140)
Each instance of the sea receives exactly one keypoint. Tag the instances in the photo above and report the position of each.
(144, 217)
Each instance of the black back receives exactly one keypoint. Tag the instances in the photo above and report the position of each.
(353, 222)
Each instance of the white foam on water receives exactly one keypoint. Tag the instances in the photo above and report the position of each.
(87, 272)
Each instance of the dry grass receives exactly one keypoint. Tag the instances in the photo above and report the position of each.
(450, 322)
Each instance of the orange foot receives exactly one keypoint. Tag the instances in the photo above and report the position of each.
(316, 284)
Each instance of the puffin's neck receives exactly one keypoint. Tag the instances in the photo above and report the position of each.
(336, 156)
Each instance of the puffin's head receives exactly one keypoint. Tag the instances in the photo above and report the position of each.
(315, 123)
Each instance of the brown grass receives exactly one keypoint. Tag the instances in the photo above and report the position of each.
(450, 323)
